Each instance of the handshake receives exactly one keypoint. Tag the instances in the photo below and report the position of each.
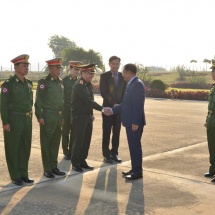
(107, 111)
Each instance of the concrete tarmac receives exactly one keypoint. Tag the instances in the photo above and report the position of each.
(175, 159)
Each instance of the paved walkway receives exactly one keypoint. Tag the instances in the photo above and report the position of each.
(175, 158)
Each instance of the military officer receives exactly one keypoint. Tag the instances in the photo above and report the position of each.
(68, 131)
(48, 110)
(16, 115)
(210, 125)
(82, 105)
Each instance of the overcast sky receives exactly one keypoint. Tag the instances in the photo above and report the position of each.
(150, 32)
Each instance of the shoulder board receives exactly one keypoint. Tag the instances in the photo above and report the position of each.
(43, 79)
(81, 82)
(28, 80)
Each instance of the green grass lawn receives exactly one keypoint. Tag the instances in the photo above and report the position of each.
(173, 77)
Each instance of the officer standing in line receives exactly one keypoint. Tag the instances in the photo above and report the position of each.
(82, 105)
(210, 125)
(16, 115)
(68, 131)
(48, 110)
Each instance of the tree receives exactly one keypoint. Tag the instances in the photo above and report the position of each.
(206, 61)
(59, 43)
(143, 74)
(182, 71)
(82, 55)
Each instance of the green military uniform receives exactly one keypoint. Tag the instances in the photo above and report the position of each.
(211, 128)
(82, 105)
(16, 110)
(49, 106)
(68, 131)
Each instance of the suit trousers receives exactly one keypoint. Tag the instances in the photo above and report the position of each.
(111, 122)
(67, 133)
(50, 135)
(135, 148)
(83, 127)
(18, 145)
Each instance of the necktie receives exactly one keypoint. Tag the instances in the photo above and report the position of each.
(116, 79)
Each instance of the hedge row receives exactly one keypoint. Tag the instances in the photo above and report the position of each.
(191, 85)
(174, 94)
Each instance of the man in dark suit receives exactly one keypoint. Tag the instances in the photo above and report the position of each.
(112, 88)
(133, 118)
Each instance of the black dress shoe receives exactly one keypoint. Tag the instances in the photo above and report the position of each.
(56, 171)
(49, 174)
(133, 176)
(77, 168)
(209, 174)
(116, 158)
(67, 157)
(86, 166)
(127, 173)
(27, 180)
(18, 182)
(108, 160)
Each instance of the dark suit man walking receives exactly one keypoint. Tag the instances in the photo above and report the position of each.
(133, 118)
(112, 88)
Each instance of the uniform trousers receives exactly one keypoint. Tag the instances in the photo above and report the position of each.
(211, 140)
(18, 145)
(83, 127)
(67, 133)
(50, 135)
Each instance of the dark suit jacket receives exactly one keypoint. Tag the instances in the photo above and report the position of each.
(132, 106)
(111, 93)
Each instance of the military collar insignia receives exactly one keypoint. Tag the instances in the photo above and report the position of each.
(30, 86)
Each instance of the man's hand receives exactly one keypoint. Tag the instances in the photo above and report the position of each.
(41, 121)
(134, 127)
(205, 125)
(108, 111)
(6, 127)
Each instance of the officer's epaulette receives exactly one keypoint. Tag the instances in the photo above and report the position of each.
(28, 80)
(8, 80)
(65, 77)
(81, 82)
(43, 79)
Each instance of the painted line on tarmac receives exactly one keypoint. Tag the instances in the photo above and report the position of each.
(185, 148)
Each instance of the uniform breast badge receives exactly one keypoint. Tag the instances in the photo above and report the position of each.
(42, 86)
(4, 90)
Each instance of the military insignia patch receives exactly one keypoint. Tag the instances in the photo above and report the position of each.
(4, 90)
(42, 86)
